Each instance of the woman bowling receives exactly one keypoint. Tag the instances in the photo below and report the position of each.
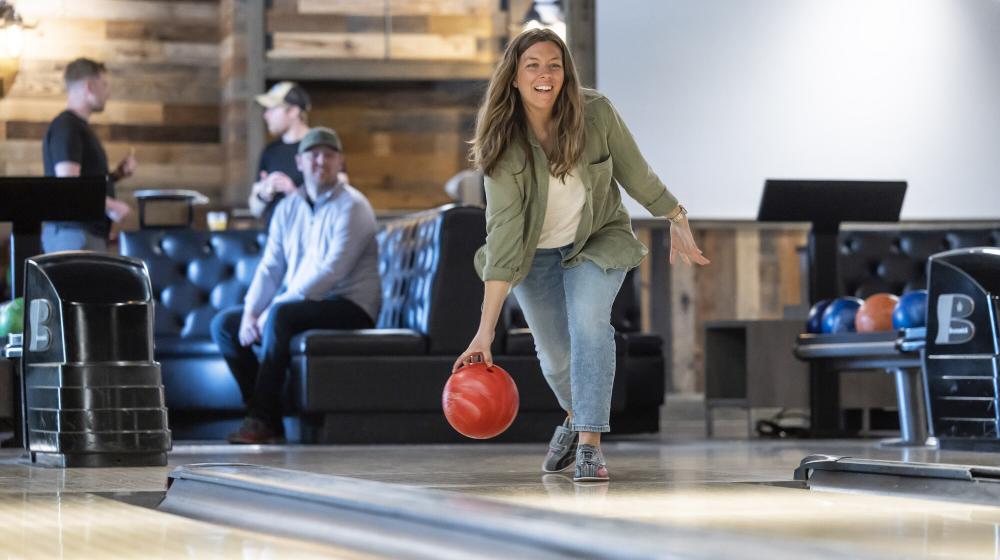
(557, 232)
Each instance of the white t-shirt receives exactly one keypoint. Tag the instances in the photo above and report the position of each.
(562, 212)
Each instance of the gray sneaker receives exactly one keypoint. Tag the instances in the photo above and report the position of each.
(590, 465)
(562, 449)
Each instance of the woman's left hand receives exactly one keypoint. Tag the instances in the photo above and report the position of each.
(682, 244)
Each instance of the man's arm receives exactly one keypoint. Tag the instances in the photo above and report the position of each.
(270, 271)
(67, 169)
(257, 202)
(352, 234)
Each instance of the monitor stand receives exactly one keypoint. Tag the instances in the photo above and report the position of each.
(826, 205)
(27, 202)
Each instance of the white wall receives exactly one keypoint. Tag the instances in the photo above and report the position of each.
(722, 94)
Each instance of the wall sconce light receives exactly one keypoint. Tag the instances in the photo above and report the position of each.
(11, 31)
(545, 14)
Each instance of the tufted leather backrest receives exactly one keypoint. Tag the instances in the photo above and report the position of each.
(429, 283)
(895, 260)
(194, 274)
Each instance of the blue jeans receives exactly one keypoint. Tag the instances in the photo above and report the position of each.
(569, 312)
(57, 236)
(262, 378)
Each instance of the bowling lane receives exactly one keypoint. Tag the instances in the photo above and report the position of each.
(857, 524)
(716, 486)
(85, 526)
(732, 488)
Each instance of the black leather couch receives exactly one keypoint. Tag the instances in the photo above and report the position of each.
(195, 274)
(380, 385)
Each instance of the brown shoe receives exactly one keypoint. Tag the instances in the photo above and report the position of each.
(256, 431)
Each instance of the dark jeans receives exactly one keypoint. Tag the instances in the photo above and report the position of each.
(261, 381)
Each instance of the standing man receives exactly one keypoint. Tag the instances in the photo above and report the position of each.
(319, 270)
(71, 149)
(286, 108)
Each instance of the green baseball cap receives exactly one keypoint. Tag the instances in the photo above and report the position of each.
(320, 136)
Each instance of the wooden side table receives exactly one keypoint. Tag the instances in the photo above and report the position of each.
(750, 364)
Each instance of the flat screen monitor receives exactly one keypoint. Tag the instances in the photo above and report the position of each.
(828, 203)
(42, 199)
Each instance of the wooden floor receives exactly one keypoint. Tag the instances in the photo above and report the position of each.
(723, 486)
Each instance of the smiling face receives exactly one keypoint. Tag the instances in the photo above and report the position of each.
(540, 76)
(319, 166)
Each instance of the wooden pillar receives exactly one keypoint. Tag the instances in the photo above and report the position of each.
(256, 133)
(242, 77)
(581, 38)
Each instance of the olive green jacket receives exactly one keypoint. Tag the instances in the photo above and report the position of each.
(516, 196)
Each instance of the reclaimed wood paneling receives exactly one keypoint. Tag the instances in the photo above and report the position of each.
(327, 45)
(241, 77)
(121, 10)
(402, 143)
(163, 59)
(754, 274)
(396, 7)
(449, 30)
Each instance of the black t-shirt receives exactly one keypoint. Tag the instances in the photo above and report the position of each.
(70, 138)
(278, 156)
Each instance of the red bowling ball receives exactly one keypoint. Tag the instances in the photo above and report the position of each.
(875, 314)
(480, 402)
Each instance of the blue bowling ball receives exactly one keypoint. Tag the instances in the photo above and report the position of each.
(911, 311)
(814, 324)
(838, 317)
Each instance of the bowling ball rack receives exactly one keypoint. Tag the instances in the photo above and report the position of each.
(895, 353)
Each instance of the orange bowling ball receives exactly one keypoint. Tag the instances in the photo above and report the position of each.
(875, 314)
(480, 402)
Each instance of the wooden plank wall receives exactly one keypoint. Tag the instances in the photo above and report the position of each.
(163, 60)
(465, 30)
(402, 140)
(234, 108)
(754, 274)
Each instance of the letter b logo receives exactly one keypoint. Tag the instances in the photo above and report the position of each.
(953, 328)
(38, 316)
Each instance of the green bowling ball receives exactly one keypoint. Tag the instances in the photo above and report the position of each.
(12, 317)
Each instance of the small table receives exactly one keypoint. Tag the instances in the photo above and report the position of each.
(190, 197)
(749, 364)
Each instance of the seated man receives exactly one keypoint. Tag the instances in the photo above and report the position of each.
(319, 270)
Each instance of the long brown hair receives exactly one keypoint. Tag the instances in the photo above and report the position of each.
(501, 122)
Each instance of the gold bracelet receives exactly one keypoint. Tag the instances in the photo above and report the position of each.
(678, 214)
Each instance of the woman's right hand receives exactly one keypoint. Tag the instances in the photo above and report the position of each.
(478, 351)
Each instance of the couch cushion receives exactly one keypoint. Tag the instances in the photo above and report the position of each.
(642, 344)
(398, 383)
(359, 342)
(520, 342)
(173, 346)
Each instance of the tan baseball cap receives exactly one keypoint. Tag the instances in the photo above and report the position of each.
(285, 92)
